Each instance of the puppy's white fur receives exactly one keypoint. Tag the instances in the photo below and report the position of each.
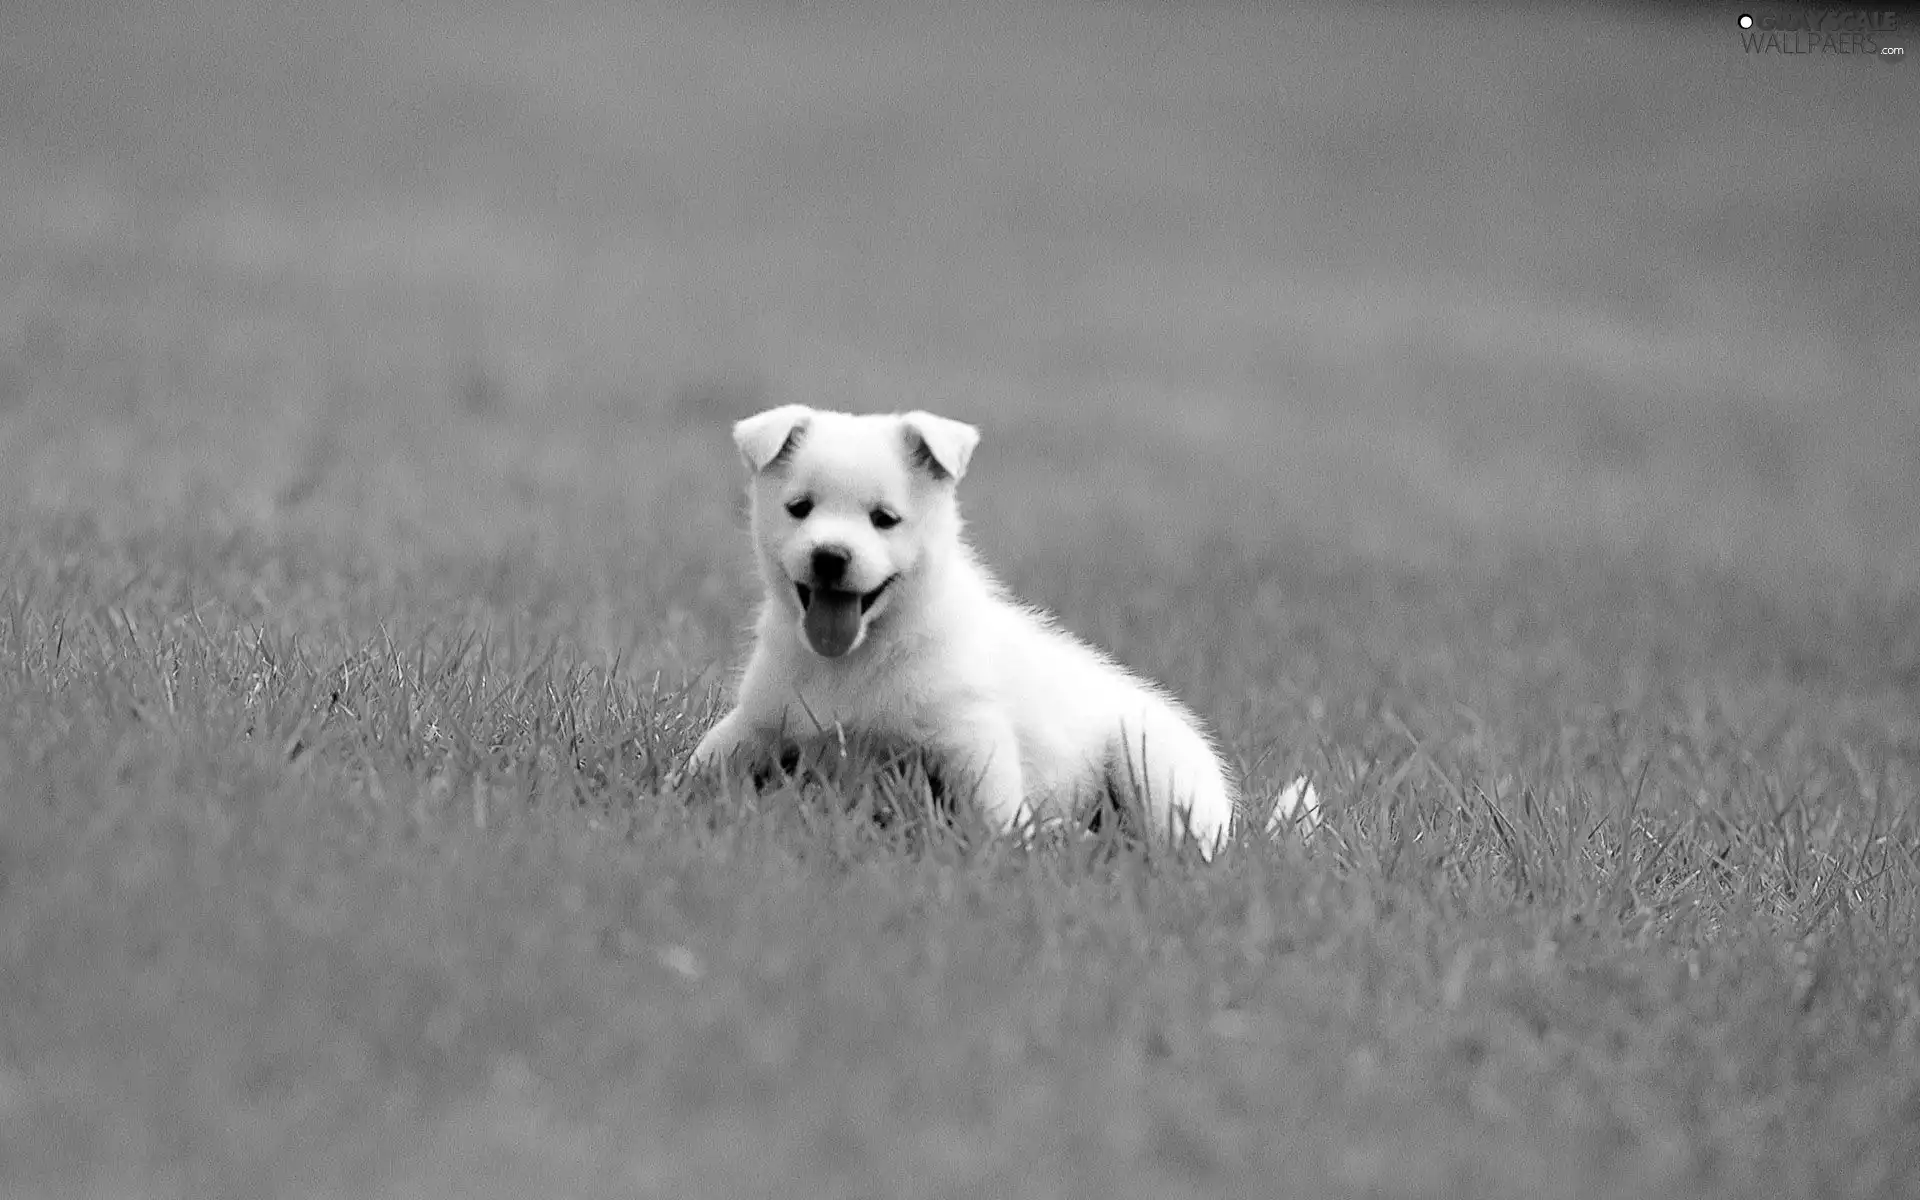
(913, 641)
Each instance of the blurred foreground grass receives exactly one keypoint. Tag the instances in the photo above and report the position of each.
(1511, 420)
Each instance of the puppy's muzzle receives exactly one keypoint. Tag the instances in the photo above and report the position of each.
(834, 616)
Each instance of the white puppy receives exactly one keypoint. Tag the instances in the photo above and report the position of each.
(879, 621)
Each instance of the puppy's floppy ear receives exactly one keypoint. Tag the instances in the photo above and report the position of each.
(941, 445)
(765, 437)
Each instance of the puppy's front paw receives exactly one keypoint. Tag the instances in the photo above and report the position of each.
(726, 737)
(749, 762)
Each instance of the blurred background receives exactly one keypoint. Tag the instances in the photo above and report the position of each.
(1408, 282)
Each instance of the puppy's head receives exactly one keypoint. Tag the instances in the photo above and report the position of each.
(850, 511)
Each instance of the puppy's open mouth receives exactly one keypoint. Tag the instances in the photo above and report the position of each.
(834, 595)
(832, 620)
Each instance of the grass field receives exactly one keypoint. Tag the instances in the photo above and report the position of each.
(1511, 420)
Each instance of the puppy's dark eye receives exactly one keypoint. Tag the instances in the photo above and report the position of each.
(798, 509)
(884, 518)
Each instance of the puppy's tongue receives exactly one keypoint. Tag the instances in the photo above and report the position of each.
(832, 622)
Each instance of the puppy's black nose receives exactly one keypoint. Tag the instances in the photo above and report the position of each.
(830, 565)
